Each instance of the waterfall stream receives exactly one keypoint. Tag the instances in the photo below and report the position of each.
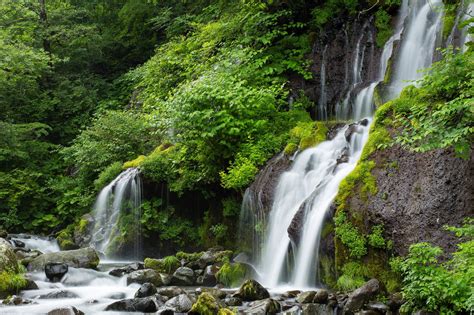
(310, 186)
(121, 198)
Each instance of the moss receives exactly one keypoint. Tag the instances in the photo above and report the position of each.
(375, 238)
(449, 18)
(290, 148)
(82, 227)
(11, 283)
(107, 175)
(224, 256)
(231, 274)
(353, 276)
(65, 238)
(306, 135)
(206, 304)
(350, 236)
(168, 264)
(328, 228)
(226, 311)
(327, 271)
(189, 257)
(134, 163)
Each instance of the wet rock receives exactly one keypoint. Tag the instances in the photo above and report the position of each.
(17, 300)
(266, 306)
(213, 291)
(146, 289)
(251, 290)
(60, 294)
(306, 297)
(291, 294)
(144, 276)
(117, 296)
(378, 307)
(206, 304)
(170, 291)
(368, 312)
(362, 295)
(353, 128)
(31, 285)
(209, 277)
(395, 301)
(183, 276)
(316, 309)
(23, 254)
(165, 311)
(118, 272)
(321, 296)
(296, 226)
(145, 305)
(8, 259)
(364, 122)
(233, 301)
(3, 233)
(55, 271)
(68, 310)
(180, 304)
(79, 258)
(344, 157)
(294, 310)
(18, 243)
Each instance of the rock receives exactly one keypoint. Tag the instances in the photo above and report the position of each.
(368, 312)
(362, 295)
(294, 310)
(68, 310)
(321, 296)
(145, 305)
(266, 306)
(364, 122)
(180, 304)
(378, 307)
(8, 259)
(18, 243)
(316, 309)
(146, 289)
(117, 296)
(233, 301)
(3, 233)
(353, 128)
(60, 294)
(251, 290)
(183, 276)
(424, 312)
(17, 300)
(31, 285)
(55, 271)
(296, 226)
(206, 304)
(23, 254)
(291, 294)
(79, 258)
(118, 272)
(170, 291)
(395, 301)
(209, 277)
(344, 156)
(306, 297)
(144, 276)
(213, 291)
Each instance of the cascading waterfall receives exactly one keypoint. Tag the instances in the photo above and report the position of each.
(322, 103)
(119, 202)
(313, 180)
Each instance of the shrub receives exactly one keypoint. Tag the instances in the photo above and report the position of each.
(231, 274)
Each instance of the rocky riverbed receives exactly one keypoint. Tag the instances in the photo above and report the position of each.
(76, 282)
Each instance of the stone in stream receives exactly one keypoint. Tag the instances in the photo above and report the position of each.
(316, 309)
(251, 290)
(209, 277)
(118, 272)
(144, 276)
(183, 276)
(362, 295)
(17, 300)
(68, 310)
(306, 297)
(18, 243)
(59, 294)
(213, 291)
(170, 291)
(295, 310)
(55, 271)
(266, 306)
(31, 285)
(79, 258)
(8, 259)
(145, 305)
(321, 296)
(147, 289)
(206, 304)
(180, 304)
(233, 301)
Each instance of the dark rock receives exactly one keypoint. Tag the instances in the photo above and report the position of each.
(55, 271)
(60, 294)
(294, 310)
(364, 122)
(321, 296)
(209, 277)
(291, 294)
(31, 285)
(344, 157)
(18, 243)
(3, 233)
(353, 128)
(180, 304)
(362, 295)
(68, 310)
(118, 272)
(145, 305)
(333, 130)
(165, 311)
(146, 289)
(233, 301)
(170, 291)
(217, 293)
(306, 297)
(251, 290)
(296, 226)
(369, 312)
(316, 309)
(183, 276)
(424, 312)
(17, 300)
(144, 276)
(266, 306)
(378, 307)
(395, 301)
(79, 258)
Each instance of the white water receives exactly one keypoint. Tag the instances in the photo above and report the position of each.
(120, 197)
(43, 244)
(322, 104)
(469, 13)
(315, 176)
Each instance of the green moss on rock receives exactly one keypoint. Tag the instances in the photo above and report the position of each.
(231, 274)
(206, 304)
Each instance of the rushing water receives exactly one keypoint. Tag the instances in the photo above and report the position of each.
(33, 242)
(313, 180)
(121, 198)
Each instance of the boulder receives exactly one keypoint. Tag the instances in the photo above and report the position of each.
(183, 276)
(17, 300)
(232, 301)
(30, 285)
(209, 277)
(144, 305)
(378, 307)
(170, 291)
(306, 297)
(294, 310)
(362, 295)
(316, 309)
(55, 271)
(266, 306)
(206, 304)
(395, 301)
(321, 296)
(213, 291)
(291, 294)
(60, 294)
(251, 290)
(68, 310)
(118, 272)
(79, 258)
(180, 304)
(8, 259)
(144, 276)
(146, 289)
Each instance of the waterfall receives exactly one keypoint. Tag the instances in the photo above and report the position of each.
(305, 192)
(465, 37)
(119, 206)
(322, 104)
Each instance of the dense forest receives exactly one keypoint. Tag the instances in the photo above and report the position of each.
(200, 97)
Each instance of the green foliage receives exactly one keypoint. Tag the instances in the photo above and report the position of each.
(11, 283)
(384, 29)
(350, 236)
(231, 274)
(325, 12)
(188, 257)
(438, 113)
(206, 304)
(375, 238)
(168, 264)
(107, 175)
(352, 277)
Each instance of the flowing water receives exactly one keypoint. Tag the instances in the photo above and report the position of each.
(313, 180)
(33, 242)
(118, 203)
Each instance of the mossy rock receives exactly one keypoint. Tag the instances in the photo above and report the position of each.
(251, 290)
(79, 258)
(206, 304)
(134, 163)
(168, 264)
(11, 283)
